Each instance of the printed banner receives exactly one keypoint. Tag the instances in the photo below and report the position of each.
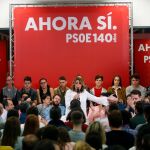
(142, 60)
(85, 40)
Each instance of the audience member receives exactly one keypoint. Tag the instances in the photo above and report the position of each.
(45, 107)
(81, 145)
(55, 115)
(135, 85)
(31, 125)
(75, 106)
(126, 116)
(23, 112)
(9, 91)
(117, 136)
(76, 133)
(98, 89)
(64, 140)
(28, 89)
(139, 117)
(44, 89)
(117, 89)
(95, 136)
(56, 102)
(11, 134)
(50, 132)
(29, 142)
(44, 145)
(61, 89)
(8, 105)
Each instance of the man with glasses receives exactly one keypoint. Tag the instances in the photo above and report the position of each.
(135, 85)
(61, 89)
(9, 91)
(28, 89)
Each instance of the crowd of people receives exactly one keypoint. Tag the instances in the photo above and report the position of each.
(75, 118)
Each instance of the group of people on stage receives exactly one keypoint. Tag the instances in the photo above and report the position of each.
(77, 107)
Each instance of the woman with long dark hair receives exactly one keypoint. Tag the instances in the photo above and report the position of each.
(44, 89)
(11, 134)
(117, 89)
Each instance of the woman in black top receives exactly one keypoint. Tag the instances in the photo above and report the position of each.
(44, 89)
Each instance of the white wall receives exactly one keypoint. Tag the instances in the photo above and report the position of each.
(141, 10)
(4, 13)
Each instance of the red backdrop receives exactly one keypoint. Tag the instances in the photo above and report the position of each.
(47, 52)
(142, 60)
(3, 63)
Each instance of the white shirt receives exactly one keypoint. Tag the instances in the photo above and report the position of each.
(84, 96)
(4, 115)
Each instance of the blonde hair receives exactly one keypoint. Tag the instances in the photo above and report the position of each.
(81, 145)
(97, 128)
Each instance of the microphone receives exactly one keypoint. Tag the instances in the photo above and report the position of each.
(78, 92)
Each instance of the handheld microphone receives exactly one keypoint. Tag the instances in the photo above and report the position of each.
(78, 92)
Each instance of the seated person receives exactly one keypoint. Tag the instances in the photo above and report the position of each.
(28, 89)
(76, 133)
(117, 136)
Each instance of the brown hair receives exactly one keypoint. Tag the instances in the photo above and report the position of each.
(31, 125)
(11, 131)
(80, 81)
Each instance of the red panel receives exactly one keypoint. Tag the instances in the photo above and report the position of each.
(3, 63)
(142, 60)
(47, 53)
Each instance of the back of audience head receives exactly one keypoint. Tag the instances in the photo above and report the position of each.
(75, 103)
(24, 107)
(144, 130)
(96, 128)
(31, 125)
(147, 113)
(94, 140)
(33, 111)
(139, 107)
(77, 118)
(51, 132)
(11, 132)
(29, 141)
(12, 113)
(146, 142)
(126, 116)
(44, 145)
(39, 133)
(115, 119)
(55, 113)
(81, 145)
(68, 118)
(63, 136)
(113, 106)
